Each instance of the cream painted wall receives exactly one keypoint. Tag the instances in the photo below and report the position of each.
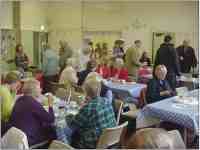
(179, 17)
(64, 20)
(6, 15)
(33, 15)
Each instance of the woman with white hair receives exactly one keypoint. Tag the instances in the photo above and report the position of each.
(96, 115)
(29, 115)
(158, 88)
(69, 79)
(119, 72)
(68, 76)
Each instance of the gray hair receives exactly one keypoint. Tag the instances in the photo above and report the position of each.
(92, 87)
(30, 87)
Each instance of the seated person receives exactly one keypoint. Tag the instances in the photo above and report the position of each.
(70, 66)
(158, 88)
(105, 92)
(150, 138)
(29, 115)
(91, 66)
(8, 93)
(145, 59)
(120, 71)
(96, 115)
(103, 68)
(144, 71)
(69, 80)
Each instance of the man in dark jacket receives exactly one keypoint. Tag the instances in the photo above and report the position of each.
(158, 88)
(91, 66)
(166, 55)
(186, 56)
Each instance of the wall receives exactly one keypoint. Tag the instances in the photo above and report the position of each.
(70, 19)
(6, 15)
(179, 17)
(33, 15)
(64, 21)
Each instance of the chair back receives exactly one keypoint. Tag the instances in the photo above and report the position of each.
(177, 139)
(59, 145)
(119, 108)
(142, 98)
(110, 136)
(14, 139)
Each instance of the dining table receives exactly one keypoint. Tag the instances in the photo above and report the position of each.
(128, 91)
(64, 113)
(188, 81)
(183, 111)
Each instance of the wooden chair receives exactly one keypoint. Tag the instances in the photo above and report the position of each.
(119, 108)
(142, 98)
(59, 145)
(110, 136)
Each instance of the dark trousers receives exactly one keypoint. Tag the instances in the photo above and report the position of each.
(171, 78)
(47, 85)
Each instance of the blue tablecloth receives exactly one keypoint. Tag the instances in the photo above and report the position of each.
(168, 110)
(63, 119)
(131, 90)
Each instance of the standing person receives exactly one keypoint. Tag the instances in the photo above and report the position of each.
(104, 50)
(186, 56)
(85, 55)
(166, 55)
(132, 57)
(98, 51)
(21, 59)
(118, 50)
(50, 67)
(91, 50)
(65, 53)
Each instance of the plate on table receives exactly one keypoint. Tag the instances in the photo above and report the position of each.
(186, 100)
(130, 83)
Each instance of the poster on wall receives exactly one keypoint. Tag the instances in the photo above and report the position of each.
(7, 45)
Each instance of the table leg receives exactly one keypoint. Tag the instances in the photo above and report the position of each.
(185, 136)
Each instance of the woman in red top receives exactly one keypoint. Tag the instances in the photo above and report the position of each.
(103, 69)
(120, 71)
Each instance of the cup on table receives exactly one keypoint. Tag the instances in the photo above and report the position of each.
(123, 81)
